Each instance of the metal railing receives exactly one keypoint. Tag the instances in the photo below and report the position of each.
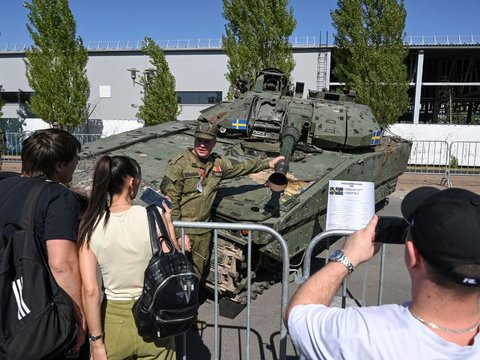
(216, 43)
(443, 40)
(464, 158)
(285, 271)
(429, 157)
(439, 157)
(172, 44)
(13, 145)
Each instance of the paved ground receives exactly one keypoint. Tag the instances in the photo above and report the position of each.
(410, 181)
(363, 284)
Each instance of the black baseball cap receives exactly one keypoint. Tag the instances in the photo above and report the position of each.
(445, 228)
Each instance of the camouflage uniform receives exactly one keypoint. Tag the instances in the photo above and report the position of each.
(193, 202)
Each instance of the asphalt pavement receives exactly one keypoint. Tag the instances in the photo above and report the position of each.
(363, 284)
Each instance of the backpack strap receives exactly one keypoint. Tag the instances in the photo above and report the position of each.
(27, 219)
(155, 219)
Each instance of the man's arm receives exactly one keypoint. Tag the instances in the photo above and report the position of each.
(63, 262)
(250, 167)
(320, 288)
(172, 186)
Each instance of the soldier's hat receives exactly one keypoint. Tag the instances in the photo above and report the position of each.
(206, 130)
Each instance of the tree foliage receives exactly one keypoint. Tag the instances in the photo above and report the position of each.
(371, 54)
(257, 33)
(159, 97)
(56, 64)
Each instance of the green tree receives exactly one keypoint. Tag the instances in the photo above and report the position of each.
(159, 97)
(56, 64)
(371, 54)
(257, 33)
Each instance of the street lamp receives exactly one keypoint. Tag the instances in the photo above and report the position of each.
(145, 78)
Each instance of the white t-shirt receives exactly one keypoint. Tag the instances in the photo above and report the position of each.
(378, 332)
(123, 251)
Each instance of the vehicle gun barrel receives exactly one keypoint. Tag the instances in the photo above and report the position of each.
(278, 180)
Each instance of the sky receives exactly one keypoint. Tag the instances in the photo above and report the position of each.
(113, 20)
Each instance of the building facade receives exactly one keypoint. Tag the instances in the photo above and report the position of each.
(444, 74)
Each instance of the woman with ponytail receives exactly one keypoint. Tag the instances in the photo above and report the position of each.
(114, 237)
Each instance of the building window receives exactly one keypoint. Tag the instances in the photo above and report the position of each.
(199, 97)
(16, 97)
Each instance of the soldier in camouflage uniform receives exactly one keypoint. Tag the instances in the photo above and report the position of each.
(192, 180)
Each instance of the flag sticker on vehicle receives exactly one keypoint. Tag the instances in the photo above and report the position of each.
(375, 140)
(239, 124)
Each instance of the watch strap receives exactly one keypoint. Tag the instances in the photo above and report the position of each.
(92, 337)
(345, 261)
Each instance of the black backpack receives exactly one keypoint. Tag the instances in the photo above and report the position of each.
(36, 315)
(169, 301)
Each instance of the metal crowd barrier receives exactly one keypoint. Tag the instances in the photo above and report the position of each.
(285, 271)
(465, 158)
(438, 157)
(14, 140)
(429, 157)
(326, 235)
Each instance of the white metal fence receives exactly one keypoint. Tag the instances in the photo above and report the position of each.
(216, 43)
(285, 271)
(439, 157)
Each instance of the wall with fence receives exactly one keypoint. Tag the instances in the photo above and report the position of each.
(441, 148)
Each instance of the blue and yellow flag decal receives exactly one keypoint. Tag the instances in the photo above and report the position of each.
(375, 140)
(239, 124)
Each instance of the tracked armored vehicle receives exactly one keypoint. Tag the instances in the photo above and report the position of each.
(323, 136)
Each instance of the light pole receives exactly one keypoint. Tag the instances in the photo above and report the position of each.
(144, 79)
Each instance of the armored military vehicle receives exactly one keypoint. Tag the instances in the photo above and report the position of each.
(323, 136)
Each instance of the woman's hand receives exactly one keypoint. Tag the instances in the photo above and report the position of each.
(188, 246)
(99, 352)
(167, 211)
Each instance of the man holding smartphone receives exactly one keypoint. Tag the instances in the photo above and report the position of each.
(442, 255)
(192, 180)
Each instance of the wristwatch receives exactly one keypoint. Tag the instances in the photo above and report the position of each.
(340, 257)
(92, 337)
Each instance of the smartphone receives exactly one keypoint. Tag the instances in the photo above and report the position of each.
(391, 230)
(150, 196)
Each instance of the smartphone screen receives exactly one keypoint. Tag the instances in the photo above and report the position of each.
(150, 196)
(390, 230)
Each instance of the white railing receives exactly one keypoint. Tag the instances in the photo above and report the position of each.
(216, 43)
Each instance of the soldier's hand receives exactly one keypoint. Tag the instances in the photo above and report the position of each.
(274, 161)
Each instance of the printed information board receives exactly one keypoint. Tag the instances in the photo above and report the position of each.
(351, 204)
